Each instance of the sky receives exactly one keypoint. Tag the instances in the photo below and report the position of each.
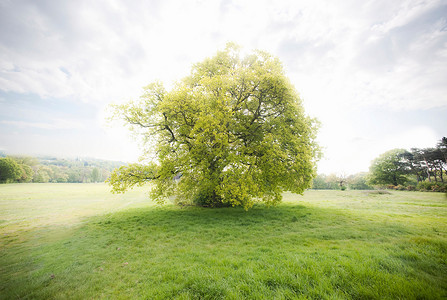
(374, 73)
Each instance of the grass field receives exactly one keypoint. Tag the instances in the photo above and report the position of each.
(78, 241)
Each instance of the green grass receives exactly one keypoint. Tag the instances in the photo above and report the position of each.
(80, 242)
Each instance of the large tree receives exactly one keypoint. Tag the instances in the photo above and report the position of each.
(389, 168)
(415, 163)
(430, 162)
(10, 171)
(231, 133)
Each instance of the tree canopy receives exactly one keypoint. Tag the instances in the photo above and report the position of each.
(9, 170)
(51, 169)
(399, 166)
(231, 133)
(389, 168)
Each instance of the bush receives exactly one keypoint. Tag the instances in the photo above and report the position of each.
(439, 188)
(427, 186)
(400, 188)
(411, 188)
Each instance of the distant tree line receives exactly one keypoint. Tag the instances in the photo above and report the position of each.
(18, 169)
(418, 169)
(423, 169)
(341, 182)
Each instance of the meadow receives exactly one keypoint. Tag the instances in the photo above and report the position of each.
(79, 241)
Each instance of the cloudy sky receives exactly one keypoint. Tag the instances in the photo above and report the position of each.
(373, 72)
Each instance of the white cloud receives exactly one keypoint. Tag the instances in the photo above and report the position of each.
(405, 13)
(339, 55)
(110, 50)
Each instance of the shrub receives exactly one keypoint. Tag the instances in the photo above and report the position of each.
(411, 188)
(400, 188)
(427, 186)
(438, 187)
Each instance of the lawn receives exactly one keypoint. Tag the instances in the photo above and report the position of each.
(78, 241)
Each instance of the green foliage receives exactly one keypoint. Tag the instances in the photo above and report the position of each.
(26, 160)
(359, 182)
(10, 171)
(95, 175)
(400, 187)
(388, 168)
(43, 174)
(79, 170)
(427, 186)
(326, 182)
(58, 174)
(319, 183)
(411, 188)
(52, 169)
(126, 177)
(338, 182)
(423, 169)
(235, 131)
(27, 173)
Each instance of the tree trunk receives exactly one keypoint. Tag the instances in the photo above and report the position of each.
(441, 170)
(394, 180)
(427, 170)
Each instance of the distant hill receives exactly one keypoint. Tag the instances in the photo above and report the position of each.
(56, 169)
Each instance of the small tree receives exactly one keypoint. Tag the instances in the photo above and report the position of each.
(232, 132)
(43, 174)
(358, 182)
(95, 175)
(319, 183)
(27, 173)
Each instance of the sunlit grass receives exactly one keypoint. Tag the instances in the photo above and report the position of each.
(325, 244)
(35, 205)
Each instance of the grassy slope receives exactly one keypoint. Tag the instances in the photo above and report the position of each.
(326, 244)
